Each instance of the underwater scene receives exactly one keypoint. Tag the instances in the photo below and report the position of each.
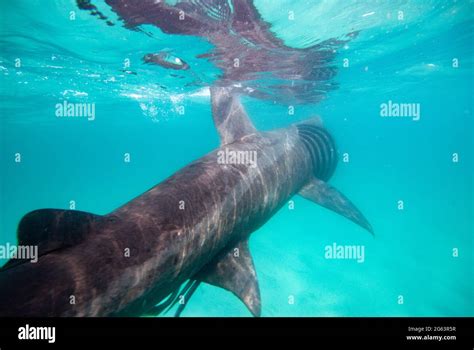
(232, 158)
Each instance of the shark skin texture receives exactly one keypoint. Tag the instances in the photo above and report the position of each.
(191, 228)
(194, 226)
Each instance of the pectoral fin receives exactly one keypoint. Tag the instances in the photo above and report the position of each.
(235, 272)
(327, 196)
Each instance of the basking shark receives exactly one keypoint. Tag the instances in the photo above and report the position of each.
(192, 228)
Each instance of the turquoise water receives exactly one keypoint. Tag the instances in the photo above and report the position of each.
(407, 60)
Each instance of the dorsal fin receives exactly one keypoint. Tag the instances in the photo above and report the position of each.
(51, 229)
(235, 272)
(230, 118)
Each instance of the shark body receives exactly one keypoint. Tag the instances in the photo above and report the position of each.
(191, 228)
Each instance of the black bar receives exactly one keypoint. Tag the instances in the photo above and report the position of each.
(388, 331)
